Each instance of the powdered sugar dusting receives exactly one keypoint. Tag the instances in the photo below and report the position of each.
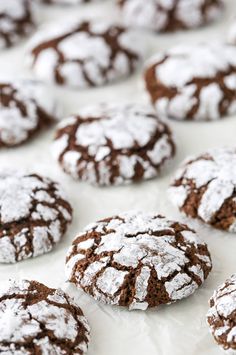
(200, 61)
(215, 170)
(182, 71)
(51, 312)
(159, 15)
(30, 209)
(122, 125)
(221, 317)
(135, 244)
(122, 137)
(16, 19)
(91, 53)
(23, 107)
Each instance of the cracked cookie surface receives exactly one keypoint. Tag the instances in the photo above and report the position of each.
(221, 316)
(193, 82)
(25, 108)
(34, 215)
(84, 53)
(170, 15)
(138, 260)
(35, 319)
(205, 188)
(16, 21)
(113, 144)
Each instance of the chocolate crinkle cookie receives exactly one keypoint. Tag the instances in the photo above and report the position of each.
(205, 188)
(35, 319)
(83, 53)
(138, 260)
(34, 215)
(113, 144)
(16, 21)
(25, 108)
(221, 316)
(193, 82)
(170, 15)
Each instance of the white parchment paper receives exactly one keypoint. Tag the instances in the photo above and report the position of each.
(178, 329)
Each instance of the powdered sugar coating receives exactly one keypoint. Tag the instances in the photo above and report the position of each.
(125, 259)
(169, 15)
(34, 215)
(83, 53)
(221, 315)
(37, 319)
(193, 82)
(113, 144)
(25, 107)
(16, 20)
(208, 183)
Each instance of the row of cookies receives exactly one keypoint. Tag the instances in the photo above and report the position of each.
(98, 286)
(101, 256)
(47, 321)
(203, 87)
(203, 188)
(135, 260)
(17, 17)
(184, 83)
(115, 144)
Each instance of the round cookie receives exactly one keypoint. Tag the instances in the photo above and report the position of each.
(193, 82)
(25, 108)
(35, 319)
(169, 15)
(204, 188)
(138, 260)
(113, 144)
(84, 54)
(221, 316)
(16, 21)
(34, 215)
